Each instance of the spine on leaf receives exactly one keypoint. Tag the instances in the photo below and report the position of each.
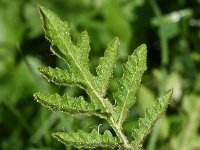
(78, 74)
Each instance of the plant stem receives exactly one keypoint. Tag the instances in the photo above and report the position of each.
(94, 93)
(117, 128)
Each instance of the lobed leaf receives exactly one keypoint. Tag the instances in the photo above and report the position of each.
(69, 104)
(78, 73)
(60, 76)
(58, 33)
(52, 25)
(151, 116)
(91, 140)
(130, 82)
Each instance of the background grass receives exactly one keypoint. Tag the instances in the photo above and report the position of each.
(171, 30)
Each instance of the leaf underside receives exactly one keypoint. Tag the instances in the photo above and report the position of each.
(78, 74)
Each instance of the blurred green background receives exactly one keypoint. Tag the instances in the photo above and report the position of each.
(171, 30)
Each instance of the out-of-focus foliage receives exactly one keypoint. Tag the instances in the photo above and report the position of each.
(161, 24)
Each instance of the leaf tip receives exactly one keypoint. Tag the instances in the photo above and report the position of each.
(43, 70)
(44, 12)
(36, 96)
(142, 50)
(40, 8)
(169, 93)
(116, 40)
(85, 33)
(143, 46)
(114, 44)
(55, 134)
(59, 136)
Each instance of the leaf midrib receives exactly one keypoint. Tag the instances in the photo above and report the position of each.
(128, 91)
(117, 126)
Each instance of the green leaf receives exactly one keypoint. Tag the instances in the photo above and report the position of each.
(130, 82)
(60, 76)
(69, 104)
(58, 33)
(83, 139)
(77, 73)
(106, 65)
(84, 45)
(151, 116)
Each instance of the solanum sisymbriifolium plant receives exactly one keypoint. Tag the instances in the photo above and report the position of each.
(96, 86)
